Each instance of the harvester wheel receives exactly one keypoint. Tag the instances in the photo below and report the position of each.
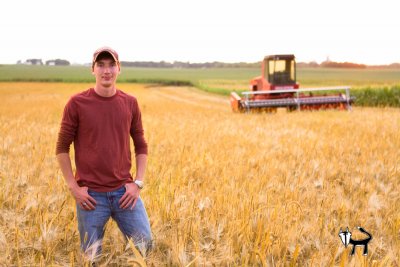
(268, 110)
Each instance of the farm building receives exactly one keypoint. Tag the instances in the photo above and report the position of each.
(34, 61)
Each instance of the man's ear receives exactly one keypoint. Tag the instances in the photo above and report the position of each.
(119, 67)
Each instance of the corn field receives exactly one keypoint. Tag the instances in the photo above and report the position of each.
(222, 189)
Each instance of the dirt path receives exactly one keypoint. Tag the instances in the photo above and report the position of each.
(191, 96)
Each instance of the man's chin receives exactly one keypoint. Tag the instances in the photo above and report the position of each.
(107, 84)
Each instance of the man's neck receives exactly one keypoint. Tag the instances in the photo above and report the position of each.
(105, 91)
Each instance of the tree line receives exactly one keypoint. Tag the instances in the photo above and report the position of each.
(188, 65)
(217, 64)
(39, 61)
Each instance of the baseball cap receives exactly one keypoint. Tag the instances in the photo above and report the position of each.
(105, 49)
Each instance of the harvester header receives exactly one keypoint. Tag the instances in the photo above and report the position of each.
(277, 87)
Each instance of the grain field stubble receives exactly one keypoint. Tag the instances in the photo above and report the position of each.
(222, 188)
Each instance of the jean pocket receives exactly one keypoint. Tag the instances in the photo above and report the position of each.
(94, 194)
(120, 191)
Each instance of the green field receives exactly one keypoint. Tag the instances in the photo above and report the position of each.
(128, 74)
(375, 87)
(305, 76)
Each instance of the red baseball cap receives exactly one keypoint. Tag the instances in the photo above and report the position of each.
(105, 49)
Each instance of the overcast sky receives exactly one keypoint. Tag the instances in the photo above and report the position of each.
(198, 31)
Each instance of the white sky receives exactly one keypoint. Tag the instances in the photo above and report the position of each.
(198, 31)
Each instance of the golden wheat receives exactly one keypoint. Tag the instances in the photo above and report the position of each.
(222, 188)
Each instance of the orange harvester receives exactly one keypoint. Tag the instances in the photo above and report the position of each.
(277, 88)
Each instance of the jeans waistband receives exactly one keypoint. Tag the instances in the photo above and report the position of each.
(118, 190)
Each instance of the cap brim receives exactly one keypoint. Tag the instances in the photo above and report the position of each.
(105, 49)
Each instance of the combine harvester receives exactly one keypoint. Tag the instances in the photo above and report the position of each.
(277, 88)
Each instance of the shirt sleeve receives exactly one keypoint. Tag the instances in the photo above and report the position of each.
(68, 128)
(136, 131)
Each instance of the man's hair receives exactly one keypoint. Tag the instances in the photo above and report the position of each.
(104, 55)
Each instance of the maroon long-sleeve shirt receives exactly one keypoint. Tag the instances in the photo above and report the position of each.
(100, 128)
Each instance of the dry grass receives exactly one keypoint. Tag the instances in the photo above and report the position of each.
(222, 188)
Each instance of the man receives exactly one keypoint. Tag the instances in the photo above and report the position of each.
(100, 122)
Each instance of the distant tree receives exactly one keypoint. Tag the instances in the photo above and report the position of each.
(311, 64)
(347, 65)
(394, 66)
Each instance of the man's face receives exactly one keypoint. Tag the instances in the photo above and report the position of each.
(106, 72)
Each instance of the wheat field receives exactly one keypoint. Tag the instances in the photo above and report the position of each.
(222, 189)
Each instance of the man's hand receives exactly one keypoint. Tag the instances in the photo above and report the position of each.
(79, 193)
(130, 197)
(83, 198)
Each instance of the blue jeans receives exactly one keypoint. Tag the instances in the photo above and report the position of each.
(133, 223)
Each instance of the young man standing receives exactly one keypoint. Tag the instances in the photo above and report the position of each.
(100, 122)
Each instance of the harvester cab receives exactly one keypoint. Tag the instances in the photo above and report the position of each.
(277, 87)
(278, 73)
